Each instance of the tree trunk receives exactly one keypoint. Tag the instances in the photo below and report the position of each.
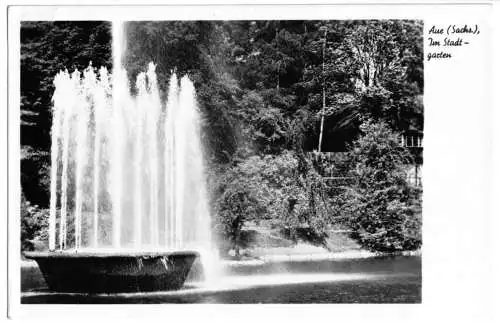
(236, 236)
(236, 248)
(324, 97)
(278, 83)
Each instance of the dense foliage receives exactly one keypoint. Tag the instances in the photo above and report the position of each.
(47, 48)
(34, 226)
(261, 83)
(381, 207)
(267, 90)
(271, 188)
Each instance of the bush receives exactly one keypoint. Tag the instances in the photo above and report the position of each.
(270, 188)
(381, 208)
(34, 226)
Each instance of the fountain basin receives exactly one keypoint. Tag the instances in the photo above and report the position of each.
(110, 272)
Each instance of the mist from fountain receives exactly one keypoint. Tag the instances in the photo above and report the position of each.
(127, 172)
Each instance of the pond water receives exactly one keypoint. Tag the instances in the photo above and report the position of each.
(367, 280)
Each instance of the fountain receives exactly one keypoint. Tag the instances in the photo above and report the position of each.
(128, 206)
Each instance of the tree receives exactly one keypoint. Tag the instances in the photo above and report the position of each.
(381, 207)
(370, 68)
(388, 59)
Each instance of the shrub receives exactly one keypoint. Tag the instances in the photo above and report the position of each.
(270, 188)
(34, 226)
(381, 208)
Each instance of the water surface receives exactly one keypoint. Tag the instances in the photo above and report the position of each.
(366, 280)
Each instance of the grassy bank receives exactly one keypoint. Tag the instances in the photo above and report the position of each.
(261, 242)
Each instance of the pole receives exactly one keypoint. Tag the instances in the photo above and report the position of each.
(324, 96)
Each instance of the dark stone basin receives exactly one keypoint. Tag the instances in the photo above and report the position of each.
(106, 272)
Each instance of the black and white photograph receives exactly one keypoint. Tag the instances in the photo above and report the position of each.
(254, 161)
(173, 157)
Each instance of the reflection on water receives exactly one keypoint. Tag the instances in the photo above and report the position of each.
(368, 280)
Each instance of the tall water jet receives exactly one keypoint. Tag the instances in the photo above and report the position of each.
(131, 172)
(153, 140)
(119, 99)
(118, 43)
(102, 88)
(82, 125)
(54, 157)
(169, 160)
(138, 156)
(68, 97)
